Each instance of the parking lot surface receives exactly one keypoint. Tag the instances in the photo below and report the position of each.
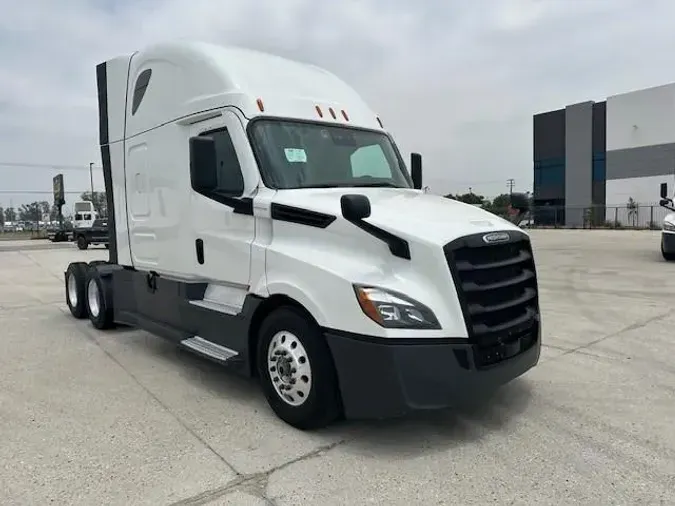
(125, 418)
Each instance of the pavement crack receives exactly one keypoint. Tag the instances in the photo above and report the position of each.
(632, 326)
(254, 484)
(38, 264)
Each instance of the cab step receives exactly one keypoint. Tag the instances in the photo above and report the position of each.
(209, 349)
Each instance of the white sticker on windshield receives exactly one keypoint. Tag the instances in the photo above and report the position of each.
(295, 155)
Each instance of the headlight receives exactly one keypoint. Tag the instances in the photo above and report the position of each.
(394, 310)
(668, 226)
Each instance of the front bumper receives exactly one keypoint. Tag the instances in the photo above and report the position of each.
(386, 378)
(668, 242)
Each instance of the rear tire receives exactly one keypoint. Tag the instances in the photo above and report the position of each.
(76, 277)
(305, 393)
(99, 300)
(669, 257)
(82, 242)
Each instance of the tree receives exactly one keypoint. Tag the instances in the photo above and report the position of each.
(467, 198)
(33, 211)
(99, 200)
(501, 201)
(54, 213)
(632, 207)
(10, 214)
(499, 205)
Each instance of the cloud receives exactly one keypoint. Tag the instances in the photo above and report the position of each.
(456, 80)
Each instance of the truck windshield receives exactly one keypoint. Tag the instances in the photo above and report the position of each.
(309, 155)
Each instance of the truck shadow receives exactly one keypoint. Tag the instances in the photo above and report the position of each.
(437, 431)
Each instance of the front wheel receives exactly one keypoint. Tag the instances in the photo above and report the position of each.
(296, 370)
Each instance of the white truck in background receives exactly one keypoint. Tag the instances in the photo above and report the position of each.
(261, 216)
(84, 214)
(668, 225)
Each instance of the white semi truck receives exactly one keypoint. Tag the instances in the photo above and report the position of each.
(261, 216)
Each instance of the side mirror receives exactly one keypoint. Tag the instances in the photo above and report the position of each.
(665, 203)
(203, 167)
(416, 170)
(664, 190)
(355, 207)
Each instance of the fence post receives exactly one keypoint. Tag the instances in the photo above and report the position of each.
(616, 217)
(651, 217)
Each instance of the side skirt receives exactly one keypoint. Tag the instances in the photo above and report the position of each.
(167, 309)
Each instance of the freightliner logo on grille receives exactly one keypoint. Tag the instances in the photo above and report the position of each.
(495, 237)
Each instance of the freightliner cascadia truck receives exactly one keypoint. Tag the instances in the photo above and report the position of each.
(261, 216)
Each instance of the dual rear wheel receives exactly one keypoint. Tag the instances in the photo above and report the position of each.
(88, 294)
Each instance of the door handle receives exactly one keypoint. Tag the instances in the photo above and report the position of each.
(199, 247)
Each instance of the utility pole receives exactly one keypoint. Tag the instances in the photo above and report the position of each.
(510, 183)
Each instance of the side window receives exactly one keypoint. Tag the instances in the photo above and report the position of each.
(139, 89)
(230, 177)
(370, 161)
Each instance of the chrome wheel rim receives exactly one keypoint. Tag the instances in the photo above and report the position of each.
(93, 298)
(289, 368)
(72, 290)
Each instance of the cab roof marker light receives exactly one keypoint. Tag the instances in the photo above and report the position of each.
(344, 115)
(380, 122)
(332, 112)
(318, 111)
(260, 105)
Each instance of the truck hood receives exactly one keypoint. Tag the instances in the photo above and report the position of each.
(408, 213)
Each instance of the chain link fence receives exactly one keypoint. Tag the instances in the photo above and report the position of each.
(635, 216)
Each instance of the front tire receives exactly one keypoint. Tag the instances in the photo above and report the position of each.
(296, 369)
(667, 256)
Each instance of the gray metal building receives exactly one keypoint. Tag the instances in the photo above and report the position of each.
(593, 156)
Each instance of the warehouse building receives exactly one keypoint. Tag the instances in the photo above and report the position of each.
(592, 158)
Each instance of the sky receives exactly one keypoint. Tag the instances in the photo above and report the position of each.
(457, 81)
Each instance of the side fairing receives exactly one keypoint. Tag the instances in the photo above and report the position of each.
(111, 77)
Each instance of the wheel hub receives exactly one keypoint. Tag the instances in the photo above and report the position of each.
(92, 298)
(289, 368)
(72, 290)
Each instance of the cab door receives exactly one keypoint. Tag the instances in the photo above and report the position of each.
(223, 226)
